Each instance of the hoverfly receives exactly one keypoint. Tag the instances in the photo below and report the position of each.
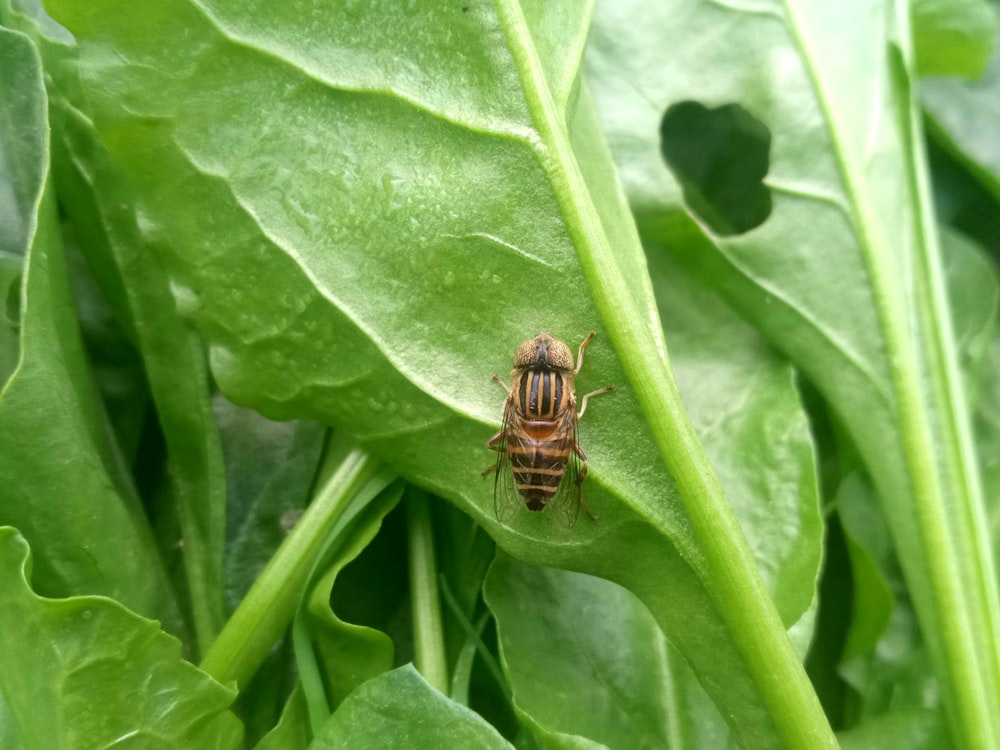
(538, 437)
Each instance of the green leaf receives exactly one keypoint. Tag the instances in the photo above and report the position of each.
(747, 411)
(915, 728)
(974, 292)
(584, 658)
(373, 276)
(136, 286)
(844, 276)
(870, 550)
(465, 553)
(348, 652)
(10, 296)
(65, 486)
(400, 711)
(20, 176)
(884, 659)
(23, 149)
(745, 405)
(961, 116)
(884, 674)
(349, 480)
(988, 435)
(86, 672)
(117, 366)
(953, 37)
(270, 469)
(263, 700)
(974, 281)
(292, 730)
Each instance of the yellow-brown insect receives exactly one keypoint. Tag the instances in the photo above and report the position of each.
(538, 436)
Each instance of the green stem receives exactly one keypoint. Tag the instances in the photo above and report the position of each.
(310, 677)
(271, 602)
(194, 451)
(971, 540)
(428, 629)
(473, 641)
(952, 614)
(735, 584)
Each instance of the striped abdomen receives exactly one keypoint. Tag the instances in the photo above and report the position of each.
(541, 437)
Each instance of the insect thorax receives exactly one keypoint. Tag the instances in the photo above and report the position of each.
(542, 393)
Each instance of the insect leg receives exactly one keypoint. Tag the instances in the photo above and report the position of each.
(579, 354)
(501, 383)
(495, 443)
(581, 475)
(583, 401)
(586, 508)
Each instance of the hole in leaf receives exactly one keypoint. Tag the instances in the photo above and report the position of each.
(720, 158)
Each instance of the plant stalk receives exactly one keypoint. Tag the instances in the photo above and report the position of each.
(955, 613)
(735, 583)
(270, 604)
(428, 629)
(973, 541)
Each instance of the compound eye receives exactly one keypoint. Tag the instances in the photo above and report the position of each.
(560, 356)
(525, 354)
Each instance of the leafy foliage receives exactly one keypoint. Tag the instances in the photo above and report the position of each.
(263, 259)
(86, 672)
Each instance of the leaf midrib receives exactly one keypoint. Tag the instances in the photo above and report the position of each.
(912, 421)
(735, 583)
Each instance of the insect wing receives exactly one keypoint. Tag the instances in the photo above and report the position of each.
(506, 500)
(566, 502)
